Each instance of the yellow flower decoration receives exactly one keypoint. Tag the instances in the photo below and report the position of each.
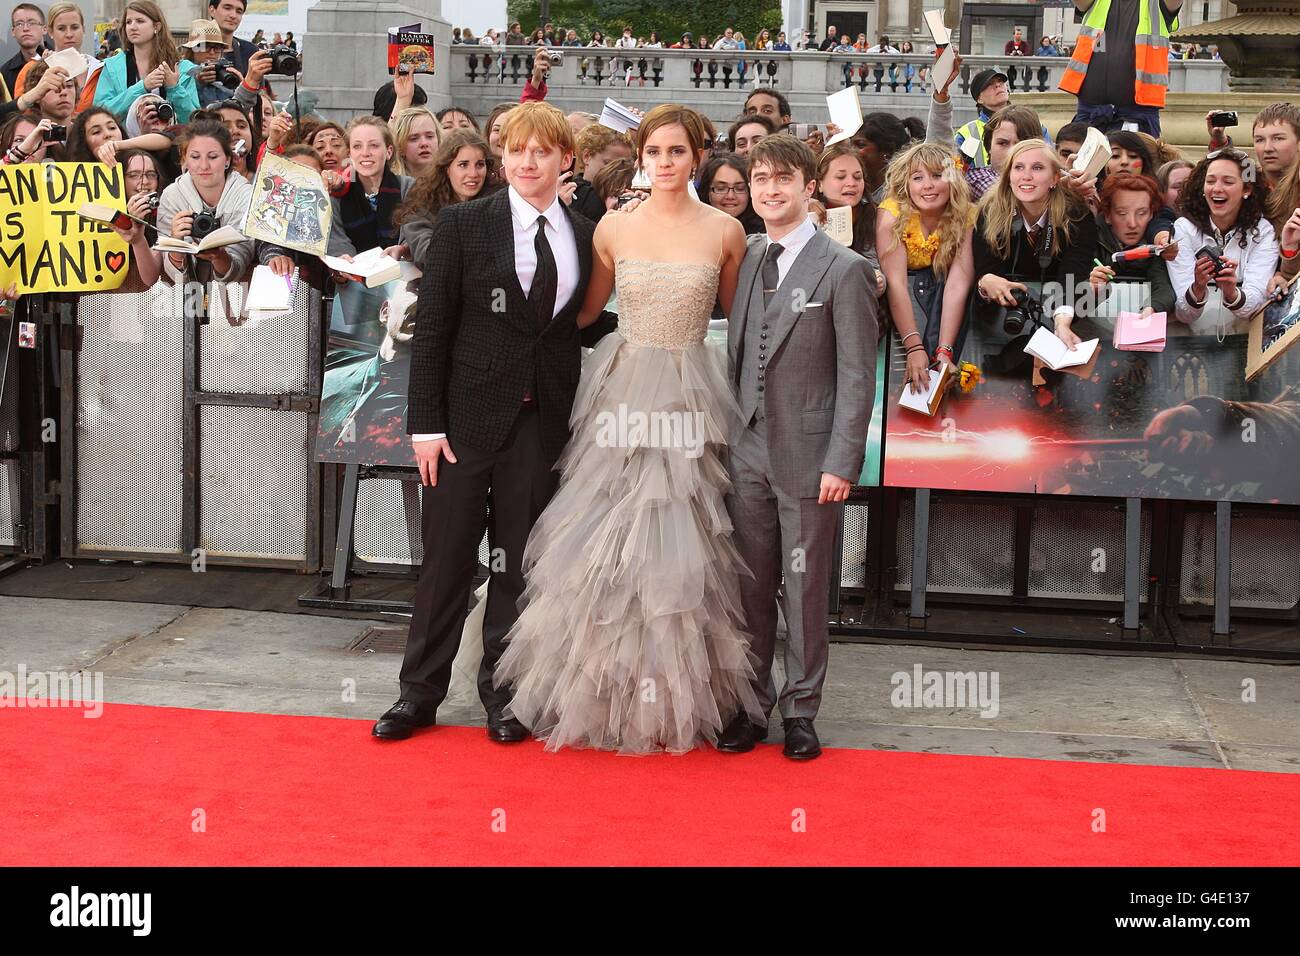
(968, 377)
(921, 249)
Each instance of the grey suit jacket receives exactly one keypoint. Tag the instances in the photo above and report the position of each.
(820, 380)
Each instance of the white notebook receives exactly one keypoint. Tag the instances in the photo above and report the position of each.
(1056, 354)
(268, 292)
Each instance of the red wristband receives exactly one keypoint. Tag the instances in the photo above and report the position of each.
(1289, 255)
(251, 89)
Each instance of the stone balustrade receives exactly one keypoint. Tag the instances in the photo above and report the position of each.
(716, 82)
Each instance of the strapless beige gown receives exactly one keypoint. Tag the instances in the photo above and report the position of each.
(631, 635)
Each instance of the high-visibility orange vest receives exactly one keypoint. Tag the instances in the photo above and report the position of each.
(1151, 43)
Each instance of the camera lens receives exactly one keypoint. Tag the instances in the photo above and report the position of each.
(166, 112)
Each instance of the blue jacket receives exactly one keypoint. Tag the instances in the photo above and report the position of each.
(113, 94)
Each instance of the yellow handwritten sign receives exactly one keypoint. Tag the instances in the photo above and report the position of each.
(44, 245)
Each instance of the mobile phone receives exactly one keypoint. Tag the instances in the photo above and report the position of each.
(803, 130)
(1224, 118)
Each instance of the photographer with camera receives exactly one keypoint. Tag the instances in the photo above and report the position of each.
(1032, 229)
(215, 76)
(25, 139)
(228, 15)
(1227, 250)
(535, 85)
(208, 195)
(150, 63)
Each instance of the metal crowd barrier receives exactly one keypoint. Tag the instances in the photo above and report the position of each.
(140, 434)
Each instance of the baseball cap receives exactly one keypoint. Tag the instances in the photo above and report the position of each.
(982, 79)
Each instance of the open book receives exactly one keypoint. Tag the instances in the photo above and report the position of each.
(96, 212)
(225, 236)
(927, 403)
(1056, 354)
(371, 267)
(618, 117)
(1094, 154)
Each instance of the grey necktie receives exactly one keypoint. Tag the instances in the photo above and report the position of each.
(771, 275)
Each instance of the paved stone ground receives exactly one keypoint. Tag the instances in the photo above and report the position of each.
(1062, 706)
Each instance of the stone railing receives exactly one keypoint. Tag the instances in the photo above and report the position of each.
(716, 82)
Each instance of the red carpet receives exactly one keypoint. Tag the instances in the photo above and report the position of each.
(122, 790)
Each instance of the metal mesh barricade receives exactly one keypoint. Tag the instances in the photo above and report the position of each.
(1265, 554)
(268, 356)
(972, 547)
(853, 570)
(387, 525)
(387, 529)
(1078, 551)
(130, 421)
(254, 465)
(8, 503)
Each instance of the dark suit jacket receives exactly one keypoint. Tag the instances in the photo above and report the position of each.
(10, 70)
(240, 51)
(471, 361)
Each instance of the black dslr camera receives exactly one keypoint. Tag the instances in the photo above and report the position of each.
(1026, 311)
(202, 225)
(227, 79)
(284, 62)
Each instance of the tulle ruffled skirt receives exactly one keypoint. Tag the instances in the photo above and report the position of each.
(630, 635)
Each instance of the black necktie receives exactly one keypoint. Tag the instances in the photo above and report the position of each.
(771, 275)
(541, 294)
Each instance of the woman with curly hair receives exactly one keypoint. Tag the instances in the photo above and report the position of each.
(1222, 205)
(923, 239)
(460, 172)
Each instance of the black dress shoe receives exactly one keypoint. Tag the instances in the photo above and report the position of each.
(740, 735)
(402, 718)
(505, 730)
(801, 741)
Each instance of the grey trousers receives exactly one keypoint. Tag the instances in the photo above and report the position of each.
(782, 535)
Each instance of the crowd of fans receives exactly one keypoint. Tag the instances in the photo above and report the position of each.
(956, 223)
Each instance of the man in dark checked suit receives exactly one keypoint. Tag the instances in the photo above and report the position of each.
(494, 368)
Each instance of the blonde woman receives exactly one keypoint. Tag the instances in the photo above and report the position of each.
(923, 238)
(417, 134)
(1031, 229)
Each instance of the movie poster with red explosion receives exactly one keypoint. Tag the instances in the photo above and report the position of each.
(1179, 421)
(367, 370)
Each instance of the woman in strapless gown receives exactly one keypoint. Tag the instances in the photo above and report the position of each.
(630, 636)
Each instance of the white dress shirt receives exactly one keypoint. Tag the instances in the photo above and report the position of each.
(791, 245)
(559, 233)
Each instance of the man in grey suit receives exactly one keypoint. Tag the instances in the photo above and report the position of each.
(801, 341)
